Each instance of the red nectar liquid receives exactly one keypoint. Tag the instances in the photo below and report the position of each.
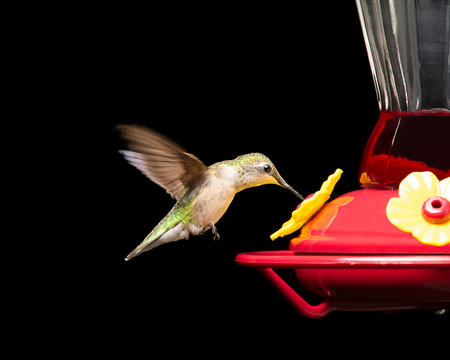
(403, 142)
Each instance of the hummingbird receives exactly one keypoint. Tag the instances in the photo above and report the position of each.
(203, 193)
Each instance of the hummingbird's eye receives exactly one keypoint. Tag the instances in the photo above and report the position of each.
(267, 168)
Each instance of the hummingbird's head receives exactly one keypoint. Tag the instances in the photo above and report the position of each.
(256, 169)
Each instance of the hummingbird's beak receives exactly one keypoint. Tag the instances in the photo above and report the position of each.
(289, 187)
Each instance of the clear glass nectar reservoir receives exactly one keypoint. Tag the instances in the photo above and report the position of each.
(408, 48)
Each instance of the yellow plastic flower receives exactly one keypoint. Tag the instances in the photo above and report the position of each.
(308, 207)
(422, 208)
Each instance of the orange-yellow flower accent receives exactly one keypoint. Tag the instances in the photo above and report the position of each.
(308, 207)
(422, 208)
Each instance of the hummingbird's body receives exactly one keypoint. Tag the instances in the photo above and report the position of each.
(203, 193)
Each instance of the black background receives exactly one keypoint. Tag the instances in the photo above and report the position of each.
(221, 80)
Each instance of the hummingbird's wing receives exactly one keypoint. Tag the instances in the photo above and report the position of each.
(161, 160)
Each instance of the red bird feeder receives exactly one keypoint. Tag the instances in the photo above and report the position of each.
(386, 247)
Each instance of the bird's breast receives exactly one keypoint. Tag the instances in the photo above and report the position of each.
(212, 202)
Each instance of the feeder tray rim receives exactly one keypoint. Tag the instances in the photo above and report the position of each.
(287, 259)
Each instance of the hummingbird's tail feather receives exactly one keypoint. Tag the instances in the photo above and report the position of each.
(158, 237)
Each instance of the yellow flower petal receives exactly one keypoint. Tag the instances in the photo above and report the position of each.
(401, 214)
(432, 234)
(328, 184)
(288, 228)
(445, 188)
(405, 212)
(309, 207)
(419, 186)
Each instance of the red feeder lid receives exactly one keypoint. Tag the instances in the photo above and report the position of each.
(356, 223)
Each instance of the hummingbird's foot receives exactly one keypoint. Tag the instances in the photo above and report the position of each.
(214, 231)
